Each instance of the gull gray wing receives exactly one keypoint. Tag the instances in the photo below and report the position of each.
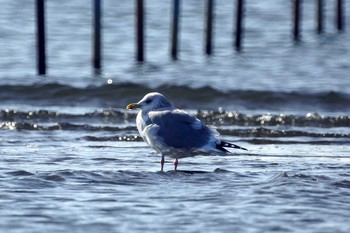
(178, 129)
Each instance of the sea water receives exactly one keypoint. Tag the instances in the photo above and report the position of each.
(71, 159)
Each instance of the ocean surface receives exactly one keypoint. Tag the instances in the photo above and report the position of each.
(71, 159)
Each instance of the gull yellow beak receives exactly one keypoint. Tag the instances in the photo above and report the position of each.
(132, 106)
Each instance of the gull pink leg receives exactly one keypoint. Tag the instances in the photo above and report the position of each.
(162, 163)
(176, 162)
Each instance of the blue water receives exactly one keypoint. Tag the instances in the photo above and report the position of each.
(71, 159)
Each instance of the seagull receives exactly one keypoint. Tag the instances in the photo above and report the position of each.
(175, 133)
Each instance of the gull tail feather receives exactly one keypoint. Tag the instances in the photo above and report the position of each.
(222, 144)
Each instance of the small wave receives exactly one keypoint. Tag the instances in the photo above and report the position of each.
(265, 132)
(42, 115)
(118, 95)
(11, 125)
(218, 118)
(342, 184)
(114, 138)
(247, 132)
(236, 118)
(286, 178)
(20, 173)
(308, 142)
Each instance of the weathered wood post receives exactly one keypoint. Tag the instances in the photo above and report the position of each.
(340, 15)
(209, 27)
(97, 35)
(320, 16)
(40, 26)
(140, 30)
(175, 29)
(239, 22)
(296, 19)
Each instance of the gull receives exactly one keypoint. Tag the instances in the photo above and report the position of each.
(175, 133)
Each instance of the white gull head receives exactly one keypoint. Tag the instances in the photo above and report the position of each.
(151, 101)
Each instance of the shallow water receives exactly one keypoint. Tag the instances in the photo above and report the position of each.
(99, 189)
(100, 176)
(71, 158)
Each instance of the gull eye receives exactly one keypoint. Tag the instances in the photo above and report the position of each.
(148, 101)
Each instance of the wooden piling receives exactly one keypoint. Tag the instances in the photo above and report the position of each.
(239, 21)
(175, 29)
(97, 35)
(41, 50)
(209, 27)
(320, 16)
(340, 15)
(140, 30)
(296, 19)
